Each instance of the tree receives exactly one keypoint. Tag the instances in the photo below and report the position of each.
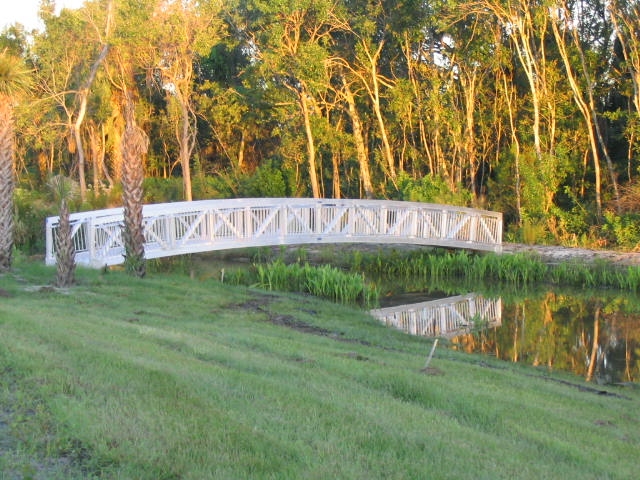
(187, 32)
(293, 52)
(134, 147)
(69, 57)
(565, 25)
(358, 138)
(625, 16)
(15, 81)
(64, 190)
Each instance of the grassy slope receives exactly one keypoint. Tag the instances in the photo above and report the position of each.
(170, 377)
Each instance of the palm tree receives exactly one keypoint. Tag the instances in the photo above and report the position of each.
(14, 81)
(64, 190)
(134, 147)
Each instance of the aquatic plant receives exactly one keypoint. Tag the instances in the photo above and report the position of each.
(520, 269)
(323, 281)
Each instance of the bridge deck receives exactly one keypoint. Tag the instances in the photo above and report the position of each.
(192, 227)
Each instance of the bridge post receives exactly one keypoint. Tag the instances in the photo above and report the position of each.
(317, 219)
(413, 227)
(351, 215)
(383, 228)
(170, 231)
(91, 240)
(211, 226)
(413, 321)
(474, 229)
(472, 307)
(284, 221)
(247, 222)
(49, 255)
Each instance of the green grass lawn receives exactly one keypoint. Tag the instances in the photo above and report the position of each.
(175, 378)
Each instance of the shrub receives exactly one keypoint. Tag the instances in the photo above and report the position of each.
(622, 230)
(32, 209)
(267, 181)
(431, 190)
(162, 190)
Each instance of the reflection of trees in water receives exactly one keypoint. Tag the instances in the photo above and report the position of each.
(585, 333)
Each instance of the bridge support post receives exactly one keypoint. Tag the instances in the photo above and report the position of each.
(473, 229)
(444, 221)
(91, 239)
(284, 221)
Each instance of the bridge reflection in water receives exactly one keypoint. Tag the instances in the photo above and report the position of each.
(446, 317)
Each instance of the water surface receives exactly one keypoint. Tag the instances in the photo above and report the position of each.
(595, 334)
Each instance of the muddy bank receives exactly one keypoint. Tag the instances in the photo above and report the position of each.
(556, 254)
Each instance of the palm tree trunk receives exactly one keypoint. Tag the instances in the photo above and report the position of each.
(65, 250)
(7, 183)
(134, 147)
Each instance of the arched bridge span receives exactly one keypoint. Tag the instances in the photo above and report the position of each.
(192, 227)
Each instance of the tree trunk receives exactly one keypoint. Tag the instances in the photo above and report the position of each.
(468, 83)
(134, 148)
(508, 93)
(7, 183)
(374, 93)
(82, 95)
(65, 250)
(185, 133)
(586, 112)
(335, 164)
(593, 360)
(358, 138)
(311, 148)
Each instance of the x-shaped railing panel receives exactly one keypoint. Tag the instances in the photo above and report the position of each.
(189, 227)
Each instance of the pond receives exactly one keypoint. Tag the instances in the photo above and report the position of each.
(595, 334)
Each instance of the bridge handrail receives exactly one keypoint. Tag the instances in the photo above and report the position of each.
(203, 225)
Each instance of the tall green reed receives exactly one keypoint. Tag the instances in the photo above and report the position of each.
(323, 281)
(520, 269)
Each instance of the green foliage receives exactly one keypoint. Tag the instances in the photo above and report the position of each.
(266, 181)
(161, 190)
(508, 270)
(104, 198)
(622, 230)
(431, 189)
(15, 78)
(32, 209)
(323, 281)
(466, 120)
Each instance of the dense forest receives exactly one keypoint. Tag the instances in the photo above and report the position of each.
(526, 107)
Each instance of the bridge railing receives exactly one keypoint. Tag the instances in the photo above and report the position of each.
(447, 317)
(191, 227)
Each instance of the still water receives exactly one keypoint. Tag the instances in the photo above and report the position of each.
(595, 334)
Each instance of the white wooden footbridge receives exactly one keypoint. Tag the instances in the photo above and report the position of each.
(447, 317)
(199, 226)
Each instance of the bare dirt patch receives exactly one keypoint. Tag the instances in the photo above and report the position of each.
(557, 254)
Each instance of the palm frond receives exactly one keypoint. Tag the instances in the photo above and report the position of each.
(15, 77)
